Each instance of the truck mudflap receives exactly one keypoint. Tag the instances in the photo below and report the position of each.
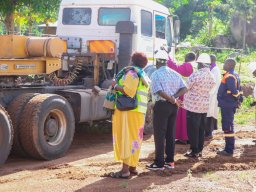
(87, 105)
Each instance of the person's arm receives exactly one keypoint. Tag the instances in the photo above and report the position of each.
(186, 69)
(171, 99)
(130, 84)
(231, 84)
(181, 92)
(119, 88)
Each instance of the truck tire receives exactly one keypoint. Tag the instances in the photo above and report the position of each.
(47, 126)
(15, 109)
(6, 135)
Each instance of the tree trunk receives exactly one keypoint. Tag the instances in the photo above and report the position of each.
(244, 31)
(210, 22)
(9, 23)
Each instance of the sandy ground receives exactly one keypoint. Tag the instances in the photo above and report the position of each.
(91, 156)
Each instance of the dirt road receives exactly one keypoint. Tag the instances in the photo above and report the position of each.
(91, 156)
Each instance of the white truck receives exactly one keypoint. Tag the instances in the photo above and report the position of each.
(38, 116)
(97, 20)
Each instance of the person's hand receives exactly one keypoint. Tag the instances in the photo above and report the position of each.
(239, 105)
(179, 103)
(113, 83)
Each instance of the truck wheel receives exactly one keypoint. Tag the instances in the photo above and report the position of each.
(6, 135)
(47, 126)
(15, 109)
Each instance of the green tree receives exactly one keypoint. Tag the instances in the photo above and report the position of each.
(200, 17)
(10, 10)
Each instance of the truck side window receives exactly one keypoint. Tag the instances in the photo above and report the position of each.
(76, 16)
(169, 32)
(110, 16)
(160, 22)
(146, 23)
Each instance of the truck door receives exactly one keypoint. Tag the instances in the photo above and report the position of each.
(145, 41)
(160, 29)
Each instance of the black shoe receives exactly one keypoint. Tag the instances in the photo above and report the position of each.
(224, 153)
(154, 167)
(191, 154)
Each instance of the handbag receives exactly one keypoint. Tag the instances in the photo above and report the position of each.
(126, 103)
(109, 102)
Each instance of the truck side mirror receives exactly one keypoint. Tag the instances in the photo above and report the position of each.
(176, 31)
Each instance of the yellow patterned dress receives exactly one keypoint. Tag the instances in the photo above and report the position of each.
(128, 126)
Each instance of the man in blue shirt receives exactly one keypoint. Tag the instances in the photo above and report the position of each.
(166, 86)
(229, 99)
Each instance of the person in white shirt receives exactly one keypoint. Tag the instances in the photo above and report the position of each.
(212, 114)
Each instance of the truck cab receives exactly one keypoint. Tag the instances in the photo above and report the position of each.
(97, 20)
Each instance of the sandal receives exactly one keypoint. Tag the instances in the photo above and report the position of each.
(117, 175)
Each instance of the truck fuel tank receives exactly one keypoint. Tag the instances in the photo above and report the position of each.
(87, 106)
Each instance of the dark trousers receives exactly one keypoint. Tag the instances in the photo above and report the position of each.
(210, 126)
(196, 123)
(164, 123)
(227, 120)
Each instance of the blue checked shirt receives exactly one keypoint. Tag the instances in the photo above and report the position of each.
(167, 80)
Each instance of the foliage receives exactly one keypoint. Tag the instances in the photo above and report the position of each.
(28, 13)
(202, 20)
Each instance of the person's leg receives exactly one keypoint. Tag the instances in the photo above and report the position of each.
(125, 169)
(170, 135)
(229, 133)
(208, 127)
(215, 124)
(227, 115)
(193, 123)
(160, 120)
(124, 173)
(202, 126)
(181, 127)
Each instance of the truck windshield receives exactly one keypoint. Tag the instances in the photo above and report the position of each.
(110, 16)
(77, 16)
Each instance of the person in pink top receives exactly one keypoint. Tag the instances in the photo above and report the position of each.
(185, 69)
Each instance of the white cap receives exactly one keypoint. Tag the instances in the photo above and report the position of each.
(204, 58)
(161, 54)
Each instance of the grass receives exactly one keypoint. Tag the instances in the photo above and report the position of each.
(246, 115)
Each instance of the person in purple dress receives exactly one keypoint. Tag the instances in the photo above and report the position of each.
(185, 69)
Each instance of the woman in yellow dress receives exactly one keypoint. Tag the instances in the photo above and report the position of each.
(128, 126)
